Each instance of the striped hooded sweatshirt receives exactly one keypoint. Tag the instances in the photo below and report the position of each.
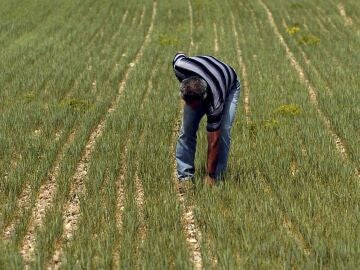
(219, 76)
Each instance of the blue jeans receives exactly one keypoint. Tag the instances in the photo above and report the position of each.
(186, 144)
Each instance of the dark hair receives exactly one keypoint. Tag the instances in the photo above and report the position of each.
(193, 88)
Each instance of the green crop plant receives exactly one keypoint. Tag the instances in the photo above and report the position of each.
(89, 86)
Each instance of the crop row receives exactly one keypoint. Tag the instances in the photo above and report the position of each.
(95, 109)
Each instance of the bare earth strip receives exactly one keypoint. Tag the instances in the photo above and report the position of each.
(124, 18)
(191, 25)
(192, 232)
(138, 187)
(207, 240)
(290, 228)
(138, 184)
(24, 200)
(133, 21)
(328, 91)
(340, 146)
(142, 230)
(136, 60)
(348, 20)
(72, 207)
(25, 196)
(216, 43)
(169, 14)
(142, 16)
(43, 201)
(46, 192)
(243, 71)
(308, 63)
(222, 30)
(140, 204)
(120, 204)
(246, 84)
(191, 229)
(121, 193)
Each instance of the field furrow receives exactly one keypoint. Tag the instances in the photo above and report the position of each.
(340, 145)
(136, 60)
(140, 199)
(348, 21)
(328, 91)
(216, 42)
(15, 59)
(319, 37)
(120, 205)
(24, 216)
(288, 225)
(139, 190)
(244, 76)
(328, 27)
(297, 142)
(71, 213)
(191, 229)
(43, 201)
(291, 229)
(90, 114)
(142, 16)
(191, 22)
(25, 164)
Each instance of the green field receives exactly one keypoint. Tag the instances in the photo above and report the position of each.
(89, 115)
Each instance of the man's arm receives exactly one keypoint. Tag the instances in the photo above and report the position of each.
(213, 151)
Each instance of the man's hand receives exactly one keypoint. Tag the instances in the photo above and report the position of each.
(213, 151)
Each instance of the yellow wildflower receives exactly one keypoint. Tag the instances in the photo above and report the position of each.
(293, 29)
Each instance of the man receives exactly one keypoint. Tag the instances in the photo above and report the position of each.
(208, 86)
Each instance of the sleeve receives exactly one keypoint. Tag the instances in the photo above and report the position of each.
(214, 119)
(177, 58)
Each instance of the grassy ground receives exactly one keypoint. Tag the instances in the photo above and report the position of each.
(89, 119)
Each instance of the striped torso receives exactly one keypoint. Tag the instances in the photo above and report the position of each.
(219, 76)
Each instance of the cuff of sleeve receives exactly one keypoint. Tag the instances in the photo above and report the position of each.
(213, 128)
(177, 56)
(214, 122)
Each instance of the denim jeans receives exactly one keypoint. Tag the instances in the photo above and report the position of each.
(186, 144)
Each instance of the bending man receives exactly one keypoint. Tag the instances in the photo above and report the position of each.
(208, 86)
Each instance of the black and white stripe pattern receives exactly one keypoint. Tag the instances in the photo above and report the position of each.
(219, 76)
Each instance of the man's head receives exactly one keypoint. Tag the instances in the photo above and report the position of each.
(193, 91)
